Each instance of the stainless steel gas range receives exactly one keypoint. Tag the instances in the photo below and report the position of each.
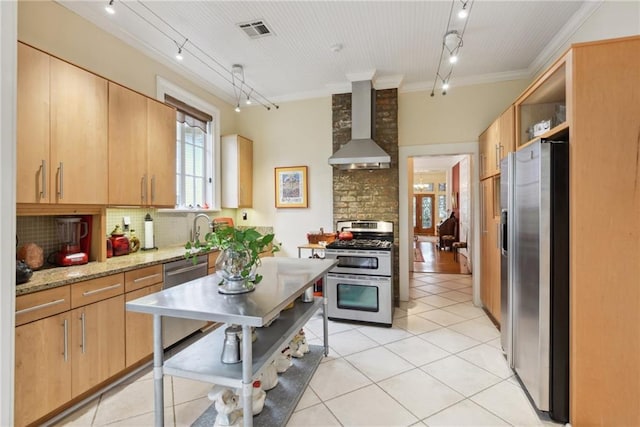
(360, 286)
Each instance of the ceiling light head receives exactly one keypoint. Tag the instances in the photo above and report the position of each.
(452, 40)
(237, 109)
(109, 8)
(445, 86)
(453, 59)
(179, 56)
(237, 71)
(463, 13)
(248, 101)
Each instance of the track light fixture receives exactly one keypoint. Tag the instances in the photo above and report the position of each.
(109, 8)
(451, 44)
(463, 13)
(179, 56)
(235, 77)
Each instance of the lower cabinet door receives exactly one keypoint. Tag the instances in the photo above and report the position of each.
(43, 367)
(97, 343)
(139, 328)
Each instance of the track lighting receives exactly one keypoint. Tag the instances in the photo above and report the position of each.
(109, 8)
(235, 76)
(463, 13)
(237, 109)
(451, 44)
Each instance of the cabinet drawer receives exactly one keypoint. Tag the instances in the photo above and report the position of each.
(42, 304)
(142, 277)
(94, 290)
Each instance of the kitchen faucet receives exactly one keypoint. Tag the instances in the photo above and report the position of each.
(195, 231)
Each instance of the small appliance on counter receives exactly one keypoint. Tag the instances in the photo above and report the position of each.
(73, 233)
(119, 242)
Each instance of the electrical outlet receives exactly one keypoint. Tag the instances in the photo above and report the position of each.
(126, 222)
(244, 215)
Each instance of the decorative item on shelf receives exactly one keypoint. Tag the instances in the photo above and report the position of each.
(119, 241)
(134, 241)
(239, 256)
(258, 394)
(269, 377)
(298, 345)
(226, 404)
(283, 360)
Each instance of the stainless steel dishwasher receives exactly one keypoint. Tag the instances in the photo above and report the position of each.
(176, 273)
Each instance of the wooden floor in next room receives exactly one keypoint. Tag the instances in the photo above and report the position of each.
(429, 259)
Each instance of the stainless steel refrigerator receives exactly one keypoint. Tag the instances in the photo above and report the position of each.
(534, 198)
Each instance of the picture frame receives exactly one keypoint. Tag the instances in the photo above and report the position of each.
(291, 187)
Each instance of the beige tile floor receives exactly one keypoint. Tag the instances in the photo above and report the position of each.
(439, 365)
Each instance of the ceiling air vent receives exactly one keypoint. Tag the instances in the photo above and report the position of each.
(255, 29)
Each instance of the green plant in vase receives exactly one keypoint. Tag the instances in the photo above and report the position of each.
(239, 255)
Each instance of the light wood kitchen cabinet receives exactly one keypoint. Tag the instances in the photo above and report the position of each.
(139, 326)
(142, 150)
(62, 132)
(68, 340)
(211, 262)
(507, 134)
(489, 146)
(97, 338)
(237, 171)
(97, 343)
(161, 160)
(32, 151)
(490, 253)
(42, 358)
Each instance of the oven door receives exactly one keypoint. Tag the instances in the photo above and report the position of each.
(360, 298)
(376, 263)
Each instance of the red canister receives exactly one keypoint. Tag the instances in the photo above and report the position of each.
(119, 242)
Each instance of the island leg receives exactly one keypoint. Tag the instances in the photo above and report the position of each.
(247, 380)
(158, 377)
(325, 316)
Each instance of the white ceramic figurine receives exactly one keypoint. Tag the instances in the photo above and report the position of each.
(269, 377)
(283, 360)
(228, 413)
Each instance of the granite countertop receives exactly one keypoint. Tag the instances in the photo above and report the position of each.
(59, 276)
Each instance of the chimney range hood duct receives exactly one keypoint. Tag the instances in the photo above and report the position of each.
(361, 152)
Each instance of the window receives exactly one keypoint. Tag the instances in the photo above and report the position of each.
(197, 148)
(442, 206)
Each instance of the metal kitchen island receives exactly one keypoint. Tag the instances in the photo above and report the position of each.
(284, 280)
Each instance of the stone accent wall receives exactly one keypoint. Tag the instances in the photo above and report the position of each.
(369, 194)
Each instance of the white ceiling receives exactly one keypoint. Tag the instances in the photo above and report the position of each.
(397, 42)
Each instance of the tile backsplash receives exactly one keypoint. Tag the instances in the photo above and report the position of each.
(170, 228)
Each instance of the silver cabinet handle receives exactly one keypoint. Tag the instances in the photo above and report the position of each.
(43, 179)
(140, 279)
(497, 154)
(61, 180)
(97, 291)
(143, 188)
(39, 306)
(153, 188)
(82, 344)
(66, 339)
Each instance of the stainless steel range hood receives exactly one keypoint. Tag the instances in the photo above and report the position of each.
(361, 152)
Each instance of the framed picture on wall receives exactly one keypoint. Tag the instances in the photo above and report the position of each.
(291, 187)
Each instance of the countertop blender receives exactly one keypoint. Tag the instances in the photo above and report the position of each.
(70, 232)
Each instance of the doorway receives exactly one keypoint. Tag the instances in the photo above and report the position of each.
(408, 182)
(423, 215)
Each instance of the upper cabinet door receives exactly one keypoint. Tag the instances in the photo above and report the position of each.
(128, 180)
(33, 165)
(78, 135)
(507, 133)
(161, 145)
